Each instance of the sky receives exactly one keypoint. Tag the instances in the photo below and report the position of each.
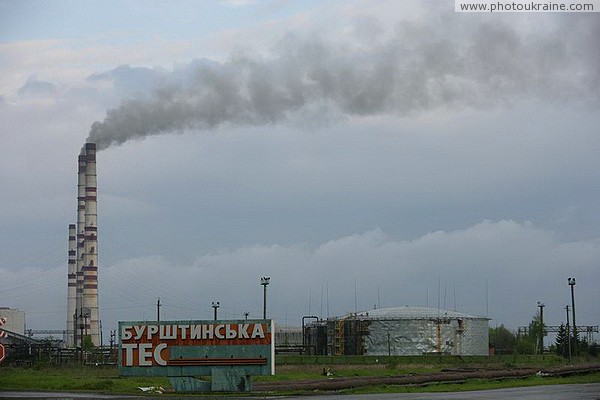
(360, 153)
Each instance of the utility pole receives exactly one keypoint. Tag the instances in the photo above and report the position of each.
(215, 305)
(568, 334)
(264, 281)
(542, 330)
(112, 343)
(571, 282)
(158, 310)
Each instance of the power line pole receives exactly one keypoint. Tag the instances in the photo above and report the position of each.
(542, 330)
(158, 310)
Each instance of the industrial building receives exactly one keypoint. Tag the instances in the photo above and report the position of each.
(399, 331)
(14, 320)
(82, 288)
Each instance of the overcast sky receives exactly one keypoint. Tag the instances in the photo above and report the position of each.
(360, 153)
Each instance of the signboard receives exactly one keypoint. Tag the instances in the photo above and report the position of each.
(194, 348)
(2, 335)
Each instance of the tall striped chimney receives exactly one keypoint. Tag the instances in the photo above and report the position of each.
(80, 244)
(71, 285)
(90, 259)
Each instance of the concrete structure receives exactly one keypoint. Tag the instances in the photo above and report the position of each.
(400, 331)
(82, 313)
(15, 320)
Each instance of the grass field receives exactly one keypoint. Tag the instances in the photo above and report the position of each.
(107, 380)
(477, 384)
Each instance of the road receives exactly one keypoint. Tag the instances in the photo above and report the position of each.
(589, 391)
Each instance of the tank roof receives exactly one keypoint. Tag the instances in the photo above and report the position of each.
(412, 312)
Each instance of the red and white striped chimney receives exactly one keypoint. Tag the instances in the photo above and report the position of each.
(71, 285)
(90, 267)
(80, 242)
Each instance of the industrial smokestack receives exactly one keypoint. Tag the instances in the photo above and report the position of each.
(80, 241)
(90, 259)
(71, 285)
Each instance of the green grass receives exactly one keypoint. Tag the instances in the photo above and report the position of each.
(517, 360)
(311, 367)
(478, 384)
(80, 378)
(107, 379)
(304, 371)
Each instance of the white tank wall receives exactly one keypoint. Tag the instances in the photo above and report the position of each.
(405, 337)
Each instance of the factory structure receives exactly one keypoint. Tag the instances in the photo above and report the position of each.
(82, 289)
(393, 331)
(399, 331)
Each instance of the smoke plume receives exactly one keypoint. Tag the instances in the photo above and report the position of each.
(481, 63)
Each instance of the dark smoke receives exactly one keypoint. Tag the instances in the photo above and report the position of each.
(420, 68)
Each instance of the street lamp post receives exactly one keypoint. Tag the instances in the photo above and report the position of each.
(568, 334)
(215, 305)
(571, 282)
(264, 281)
(542, 330)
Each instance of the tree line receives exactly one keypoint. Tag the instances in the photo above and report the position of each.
(505, 341)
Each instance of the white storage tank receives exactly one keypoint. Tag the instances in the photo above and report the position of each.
(400, 331)
(413, 330)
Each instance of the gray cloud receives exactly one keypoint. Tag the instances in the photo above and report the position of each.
(132, 81)
(416, 69)
(35, 87)
(503, 253)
